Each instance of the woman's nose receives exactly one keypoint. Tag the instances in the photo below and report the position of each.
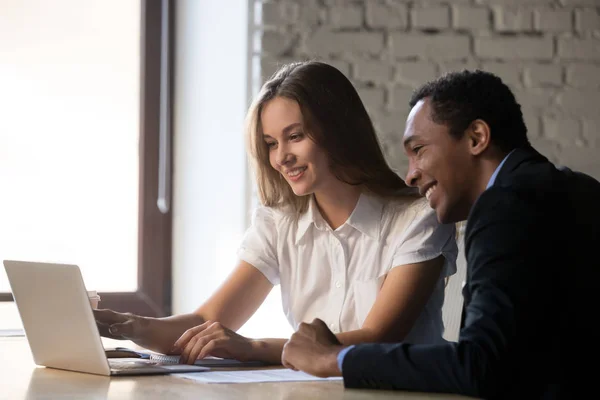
(283, 156)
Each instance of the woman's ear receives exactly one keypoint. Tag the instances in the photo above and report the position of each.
(479, 136)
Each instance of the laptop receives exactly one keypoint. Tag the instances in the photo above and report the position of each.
(59, 323)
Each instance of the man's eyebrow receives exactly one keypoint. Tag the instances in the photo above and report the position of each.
(286, 130)
(410, 139)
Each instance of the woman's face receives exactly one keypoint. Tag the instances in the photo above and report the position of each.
(303, 164)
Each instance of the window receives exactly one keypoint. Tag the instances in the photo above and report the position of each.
(85, 157)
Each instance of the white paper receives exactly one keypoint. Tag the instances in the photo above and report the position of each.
(11, 332)
(263, 375)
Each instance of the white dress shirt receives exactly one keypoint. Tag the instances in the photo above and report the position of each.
(335, 275)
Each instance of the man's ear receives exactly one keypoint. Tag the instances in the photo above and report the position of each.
(479, 136)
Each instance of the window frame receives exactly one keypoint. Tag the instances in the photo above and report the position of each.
(153, 295)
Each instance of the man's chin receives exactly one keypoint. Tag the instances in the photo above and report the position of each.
(446, 218)
(443, 216)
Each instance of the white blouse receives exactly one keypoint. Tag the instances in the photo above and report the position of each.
(335, 275)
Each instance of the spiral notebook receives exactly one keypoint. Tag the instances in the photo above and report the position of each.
(209, 361)
(120, 352)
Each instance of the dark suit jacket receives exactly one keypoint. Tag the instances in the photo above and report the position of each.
(531, 245)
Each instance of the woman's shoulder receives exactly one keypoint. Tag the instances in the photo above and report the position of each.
(405, 206)
(273, 214)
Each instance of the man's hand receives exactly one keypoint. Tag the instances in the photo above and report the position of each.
(313, 348)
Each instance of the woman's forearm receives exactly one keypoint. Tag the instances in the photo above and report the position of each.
(366, 335)
(165, 331)
(267, 350)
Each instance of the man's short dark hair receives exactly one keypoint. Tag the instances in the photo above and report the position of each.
(459, 98)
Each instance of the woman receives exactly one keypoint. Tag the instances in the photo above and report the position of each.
(338, 229)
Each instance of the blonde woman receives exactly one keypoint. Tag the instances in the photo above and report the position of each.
(342, 234)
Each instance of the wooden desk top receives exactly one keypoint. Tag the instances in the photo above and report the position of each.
(20, 378)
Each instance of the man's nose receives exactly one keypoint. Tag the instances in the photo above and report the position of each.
(412, 177)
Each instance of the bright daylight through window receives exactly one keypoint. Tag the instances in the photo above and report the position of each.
(69, 162)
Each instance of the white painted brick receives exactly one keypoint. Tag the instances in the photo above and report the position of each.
(269, 66)
(395, 157)
(274, 43)
(414, 74)
(471, 18)
(391, 124)
(372, 97)
(379, 15)
(534, 100)
(582, 159)
(377, 71)
(515, 48)
(579, 2)
(587, 19)
(271, 13)
(510, 73)
(532, 122)
(432, 17)
(585, 76)
(400, 97)
(546, 147)
(393, 151)
(348, 16)
(325, 42)
(550, 105)
(275, 13)
(579, 49)
(516, 2)
(343, 66)
(563, 130)
(548, 20)
(543, 75)
(591, 132)
(512, 19)
(452, 66)
(431, 2)
(310, 13)
(438, 47)
(579, 103)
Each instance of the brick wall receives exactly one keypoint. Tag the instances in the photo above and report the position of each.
(547, 51)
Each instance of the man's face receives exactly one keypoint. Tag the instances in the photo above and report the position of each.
(440, 165)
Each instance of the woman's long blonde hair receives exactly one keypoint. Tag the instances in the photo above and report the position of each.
(335, 118)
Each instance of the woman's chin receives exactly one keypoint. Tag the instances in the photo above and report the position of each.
(300, 190)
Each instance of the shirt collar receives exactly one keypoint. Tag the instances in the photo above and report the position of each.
(498, 168)
(366, 217)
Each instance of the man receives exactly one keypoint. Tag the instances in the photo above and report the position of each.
(531, 271)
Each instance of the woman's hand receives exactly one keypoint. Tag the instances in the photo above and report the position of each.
(143, 331)
(212, 339)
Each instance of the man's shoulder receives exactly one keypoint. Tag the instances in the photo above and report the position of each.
(499, 201)
(530, 197)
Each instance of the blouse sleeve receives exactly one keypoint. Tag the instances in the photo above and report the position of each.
(425, 239)
(259, 247)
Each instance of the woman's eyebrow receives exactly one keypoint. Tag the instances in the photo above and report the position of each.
(285, 130)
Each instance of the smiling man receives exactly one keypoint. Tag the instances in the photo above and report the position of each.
(531, 271)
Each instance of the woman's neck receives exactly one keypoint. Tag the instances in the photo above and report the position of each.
(337, 203)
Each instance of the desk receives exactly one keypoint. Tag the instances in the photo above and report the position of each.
(21, 379)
